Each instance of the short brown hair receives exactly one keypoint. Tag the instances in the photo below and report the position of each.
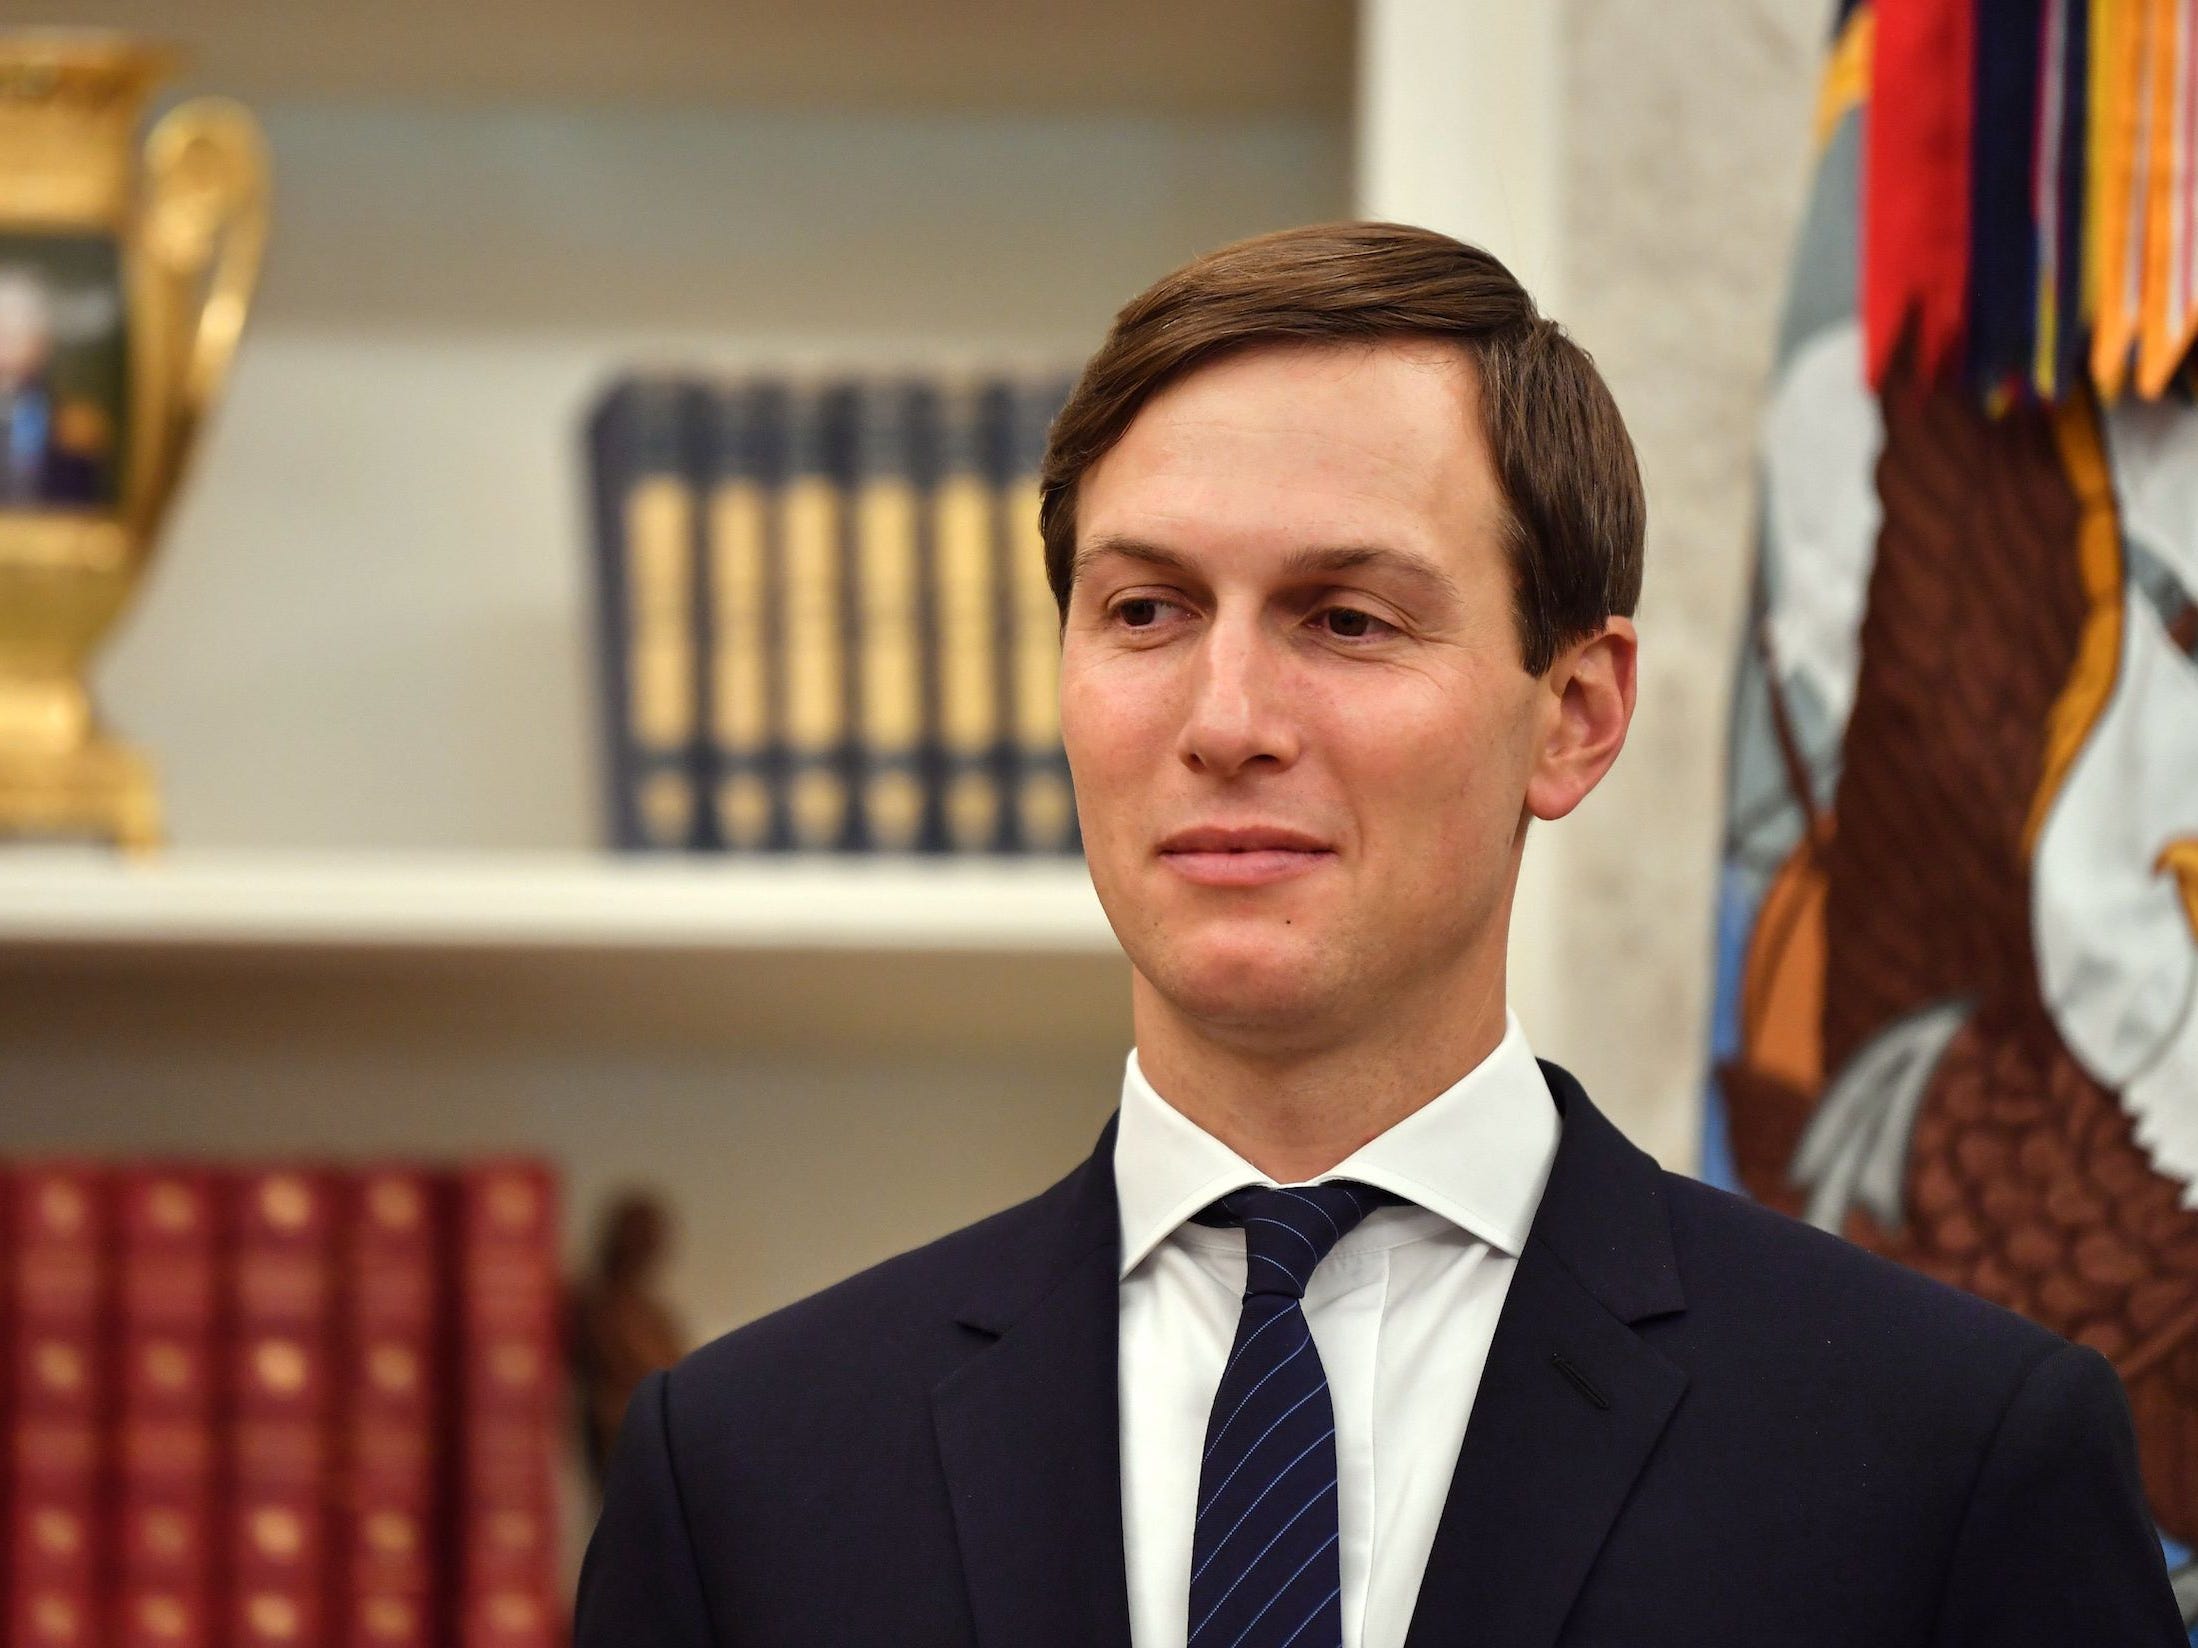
(1564, 463)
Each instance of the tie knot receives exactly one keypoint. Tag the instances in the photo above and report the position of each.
(1288, 1230)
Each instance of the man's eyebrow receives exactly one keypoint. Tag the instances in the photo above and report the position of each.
(1131, 549)
(1375, 557)
(1300, 563)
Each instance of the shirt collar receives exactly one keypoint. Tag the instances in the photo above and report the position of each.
(1478, 1154)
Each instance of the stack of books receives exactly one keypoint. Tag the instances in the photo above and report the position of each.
(279, 1406)
(824, 620)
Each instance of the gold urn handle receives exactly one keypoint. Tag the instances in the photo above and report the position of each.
(203, 230)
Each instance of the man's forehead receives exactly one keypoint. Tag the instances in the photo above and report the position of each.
(1300, 458)
(1430, 376)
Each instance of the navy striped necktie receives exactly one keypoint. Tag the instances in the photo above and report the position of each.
(1264, 1567)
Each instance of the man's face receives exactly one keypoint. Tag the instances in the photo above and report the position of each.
(1292, 688)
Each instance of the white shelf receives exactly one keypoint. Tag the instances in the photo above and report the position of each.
(547, 901)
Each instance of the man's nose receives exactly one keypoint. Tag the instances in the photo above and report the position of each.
(1239, 714)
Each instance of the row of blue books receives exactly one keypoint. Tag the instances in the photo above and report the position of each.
(824, 623)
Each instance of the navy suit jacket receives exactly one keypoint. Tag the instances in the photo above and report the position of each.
(1700, 1423)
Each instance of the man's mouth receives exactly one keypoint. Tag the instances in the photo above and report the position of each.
(1243, 855)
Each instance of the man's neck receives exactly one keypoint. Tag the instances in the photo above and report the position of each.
(1295, 1111)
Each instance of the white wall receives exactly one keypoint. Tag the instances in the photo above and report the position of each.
(1686, 158)
(1461, 123)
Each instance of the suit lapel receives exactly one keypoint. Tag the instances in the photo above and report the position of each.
(1029, 1432)
(1570, 1404)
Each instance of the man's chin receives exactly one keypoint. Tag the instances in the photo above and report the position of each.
(1235, 985)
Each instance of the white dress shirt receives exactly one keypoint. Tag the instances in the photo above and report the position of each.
(1401, 1312)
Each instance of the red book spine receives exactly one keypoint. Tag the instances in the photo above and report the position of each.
(391, 1388)
(279, 1408)
(56, 1463)
(165, 1483)
(508, 1392)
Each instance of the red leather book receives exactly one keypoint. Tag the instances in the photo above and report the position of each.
(55, 1463)
(392, 1387)
(279, 1399)
(167, 1219)
(508, 1385)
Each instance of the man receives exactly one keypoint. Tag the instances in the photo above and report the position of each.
(1360, 1326)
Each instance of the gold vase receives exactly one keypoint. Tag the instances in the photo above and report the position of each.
(124, 279)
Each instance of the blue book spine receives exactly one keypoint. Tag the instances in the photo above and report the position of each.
(739, 599)
(647, 525)
(886, 563)
(809, 529)
(968, 613)
(1043, 809)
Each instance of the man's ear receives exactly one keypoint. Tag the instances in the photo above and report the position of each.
(1586, 706)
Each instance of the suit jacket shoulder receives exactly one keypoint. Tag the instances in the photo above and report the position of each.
(803, 1451)
(895, 1319)
(1771, 1292)
(1860, 1443)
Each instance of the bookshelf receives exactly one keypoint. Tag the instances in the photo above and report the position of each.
(742, 1037)
(362, 658)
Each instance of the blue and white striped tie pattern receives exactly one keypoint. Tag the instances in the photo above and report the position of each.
(1264, 1569)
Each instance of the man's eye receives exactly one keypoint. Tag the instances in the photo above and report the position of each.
(1350, 624)
(1139, 612)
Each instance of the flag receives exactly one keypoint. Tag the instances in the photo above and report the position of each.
(1956, 1004)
